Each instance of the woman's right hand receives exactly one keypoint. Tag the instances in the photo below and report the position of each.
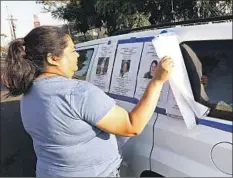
(163, 70)
(121, 122)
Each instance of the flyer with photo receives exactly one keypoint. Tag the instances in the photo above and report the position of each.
(148, 64)
(102, 67)
(125, 69)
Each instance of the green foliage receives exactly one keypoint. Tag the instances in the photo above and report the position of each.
(121, 14)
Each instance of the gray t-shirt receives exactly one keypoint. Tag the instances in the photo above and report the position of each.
(60, 114)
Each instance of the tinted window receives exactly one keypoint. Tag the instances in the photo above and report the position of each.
(83, 63)
(211, 61)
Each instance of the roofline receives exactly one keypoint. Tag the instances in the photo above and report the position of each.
(112, 38)
(172, 24)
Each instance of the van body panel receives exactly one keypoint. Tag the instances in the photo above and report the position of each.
(188, 151)
(166, 146)
(189, 33)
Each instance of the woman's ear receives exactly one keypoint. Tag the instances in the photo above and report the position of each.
(52, 60)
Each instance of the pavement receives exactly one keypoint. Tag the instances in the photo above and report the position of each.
(17, 155)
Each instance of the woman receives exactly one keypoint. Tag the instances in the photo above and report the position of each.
(102, 72)
(125, 69)
(72, 123)
(151, 72)
(102, 68)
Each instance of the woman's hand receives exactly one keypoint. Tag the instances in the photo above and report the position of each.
(120, 122)
(163, 70)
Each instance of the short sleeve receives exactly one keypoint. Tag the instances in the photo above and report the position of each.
(91, 104)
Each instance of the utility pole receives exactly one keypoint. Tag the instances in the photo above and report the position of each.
(12, 25)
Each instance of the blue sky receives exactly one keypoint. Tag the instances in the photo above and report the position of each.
(24, 11)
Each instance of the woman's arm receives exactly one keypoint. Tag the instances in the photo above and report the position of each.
(120, 122)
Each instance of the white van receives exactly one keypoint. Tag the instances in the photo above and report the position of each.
(166, 147)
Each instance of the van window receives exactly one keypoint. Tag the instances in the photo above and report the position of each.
(209, 66)
(83, 63)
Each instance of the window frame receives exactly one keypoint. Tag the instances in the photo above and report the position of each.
(78, 51)
(95, 47)
(214, 113)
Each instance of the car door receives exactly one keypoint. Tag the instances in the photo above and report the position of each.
(205, 150)
(137, 150)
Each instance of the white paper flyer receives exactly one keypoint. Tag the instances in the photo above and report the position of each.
(167, 45)
(148, 64)
(125, 69)
(102, 67)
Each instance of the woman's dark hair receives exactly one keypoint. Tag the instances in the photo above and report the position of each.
(148, 74)
(26, 57)
(154, 61)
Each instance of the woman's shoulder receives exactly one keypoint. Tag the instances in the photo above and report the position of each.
(82, 87)
(61, 85)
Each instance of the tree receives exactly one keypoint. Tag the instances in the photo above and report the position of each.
(82, 13)
(87, 14)
(213, 8)
(121, 14)
(50, 6)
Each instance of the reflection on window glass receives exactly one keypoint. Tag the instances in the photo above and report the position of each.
(216, 59)
(83, 63)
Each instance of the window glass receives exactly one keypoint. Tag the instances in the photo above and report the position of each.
(210, 62)
(83, 63)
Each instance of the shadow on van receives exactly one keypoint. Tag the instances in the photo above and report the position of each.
(17, 155)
